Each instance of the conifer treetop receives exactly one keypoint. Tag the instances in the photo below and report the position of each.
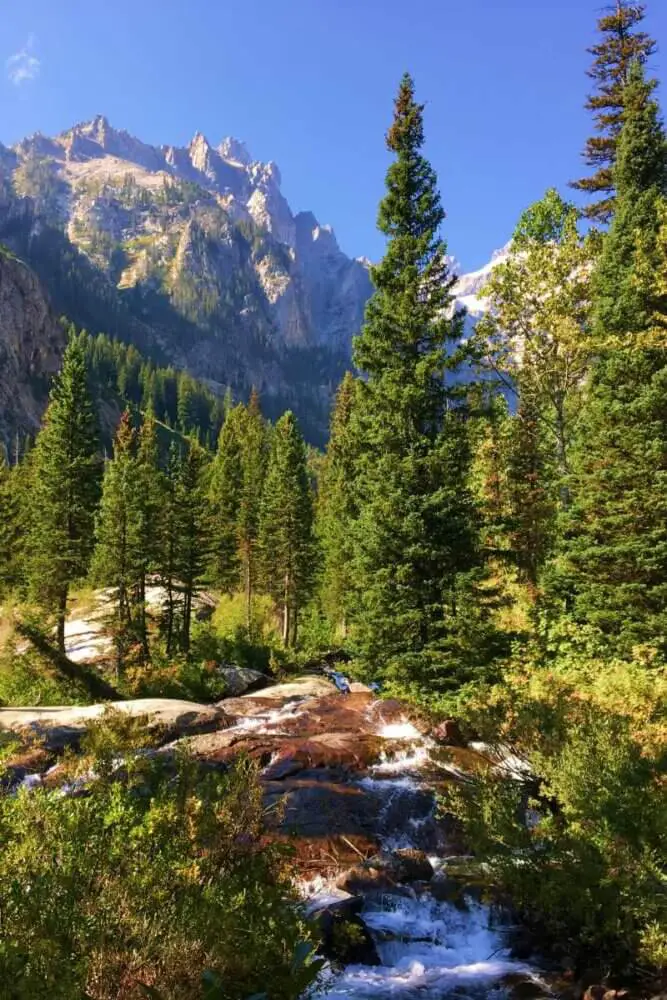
(621, 46)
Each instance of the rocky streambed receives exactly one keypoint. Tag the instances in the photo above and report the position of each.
(351, 782)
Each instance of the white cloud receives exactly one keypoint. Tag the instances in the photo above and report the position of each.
(24, 65)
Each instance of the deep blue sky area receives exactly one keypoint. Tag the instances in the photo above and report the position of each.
(310, 83)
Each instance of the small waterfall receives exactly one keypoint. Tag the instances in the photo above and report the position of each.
(428, 950)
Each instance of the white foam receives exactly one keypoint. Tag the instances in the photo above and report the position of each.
(427, 949)
(399, 731)
(413, 759)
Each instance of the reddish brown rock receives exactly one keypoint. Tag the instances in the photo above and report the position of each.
(449, 733)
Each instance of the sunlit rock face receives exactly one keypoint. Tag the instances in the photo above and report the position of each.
(196, 252)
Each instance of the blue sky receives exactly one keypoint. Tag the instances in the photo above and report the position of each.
(309, 84)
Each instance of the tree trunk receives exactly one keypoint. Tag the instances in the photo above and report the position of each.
(62, 614)
(286, 613)
(248, 595)
(561, 451)
(187, 617)
(143, 630)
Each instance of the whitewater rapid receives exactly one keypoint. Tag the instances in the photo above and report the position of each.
(428, 950)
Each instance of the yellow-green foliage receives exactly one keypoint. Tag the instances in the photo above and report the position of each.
(157, 876)
(229, 619)
(591, 867)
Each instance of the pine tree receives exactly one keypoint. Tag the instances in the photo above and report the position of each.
(614, 554)
(625, 293)
(620, 47)
(118, 560)
(616, 543)
(65, 490)
(192, 541)
(168, 550)
(151, 492)
(225, 496)
(286, 526)
(336, 511)
(254, 455)
(416, 534)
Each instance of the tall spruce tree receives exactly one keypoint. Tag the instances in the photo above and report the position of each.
(66, 477)
(621, 46)
(336, 511)
(151, 491)
(225, 495)
(626, 295)
(168, 550)
(615, 549)
(184, 539)
(118, 560)
(192, 542)
(254, 456)
(416, 534)
(286, 526)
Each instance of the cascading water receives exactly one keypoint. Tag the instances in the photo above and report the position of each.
(428, 950)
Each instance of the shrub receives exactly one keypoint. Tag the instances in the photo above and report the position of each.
(156, 874)
(590, 867)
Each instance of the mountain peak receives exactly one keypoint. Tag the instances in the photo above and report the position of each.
(235, 151)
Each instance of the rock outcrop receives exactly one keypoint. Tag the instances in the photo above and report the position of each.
(31, 345)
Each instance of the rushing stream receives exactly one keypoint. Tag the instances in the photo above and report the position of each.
(428, 949)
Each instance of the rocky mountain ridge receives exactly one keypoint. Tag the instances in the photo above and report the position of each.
(194, 255)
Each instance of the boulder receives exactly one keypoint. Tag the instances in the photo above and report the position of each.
(345, 937)
(367, 878)
(286, 755)
(387, 873)
(446, 889)
(411, 865)
(61, 726)
(449, 733)
(518, 986)
(304, 687)
(239, 680)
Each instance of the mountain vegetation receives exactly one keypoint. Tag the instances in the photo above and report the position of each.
(484, 536)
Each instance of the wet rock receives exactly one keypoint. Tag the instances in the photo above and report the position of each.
(304, 687)
(449, 733)
(367, 878)
(412, 866)
(345, 937)
(521, 987)
(285, 756)
(239, 680)
(61, 726)
(446, 889)
(595, 993)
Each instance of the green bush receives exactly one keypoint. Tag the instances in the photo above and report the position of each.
(156, 875)
(26, 678)
(590, 869)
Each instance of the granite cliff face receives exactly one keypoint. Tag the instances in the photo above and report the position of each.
(195, 253)
(31, 343)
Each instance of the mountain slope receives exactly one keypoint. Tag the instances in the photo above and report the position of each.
(191, 253)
